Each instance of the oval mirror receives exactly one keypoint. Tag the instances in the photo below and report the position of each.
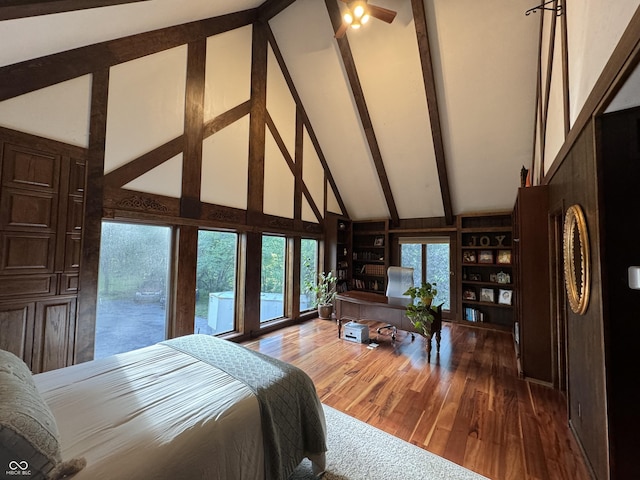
(577, 270)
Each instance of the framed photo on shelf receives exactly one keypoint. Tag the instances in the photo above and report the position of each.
(504, 297)
(504, 257)
(378, 242)
(469, 256)
(469, 294)
(487, 295)
(502, 277)
(485, 256)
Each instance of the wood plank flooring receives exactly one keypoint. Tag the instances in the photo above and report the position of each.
(468, 405)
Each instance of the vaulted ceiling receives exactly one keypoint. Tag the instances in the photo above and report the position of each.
(429, 116)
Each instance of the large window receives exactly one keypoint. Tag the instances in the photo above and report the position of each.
(308, 271)
(216, 282)
(430, 259)
(273, 277)
(132, 287)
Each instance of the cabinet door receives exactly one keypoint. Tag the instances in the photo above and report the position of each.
(16, 329)
(54, 333)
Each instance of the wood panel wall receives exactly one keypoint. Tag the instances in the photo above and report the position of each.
(619, 151)
(575, 182)
(573, 178)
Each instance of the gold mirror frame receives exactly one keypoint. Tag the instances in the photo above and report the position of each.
(577, 277)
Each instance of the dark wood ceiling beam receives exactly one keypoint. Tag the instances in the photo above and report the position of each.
(426, 61)
(271, 8)
(193, 129)
(92, 221)
(12, 9)
(257, 123)
(139, 166)
(305, 119)
(227, 118)
(299, 182)
(293, 165)
(38, 73)
(144, 163)
(363, 111)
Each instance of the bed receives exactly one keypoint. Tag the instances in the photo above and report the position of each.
(192, 407)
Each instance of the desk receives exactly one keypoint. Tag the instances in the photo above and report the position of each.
(354, 306)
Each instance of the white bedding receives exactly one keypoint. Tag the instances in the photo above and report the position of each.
(157, 419)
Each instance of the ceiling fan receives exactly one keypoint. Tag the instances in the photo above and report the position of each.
(358, 13)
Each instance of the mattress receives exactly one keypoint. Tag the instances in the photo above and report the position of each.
(163, 413)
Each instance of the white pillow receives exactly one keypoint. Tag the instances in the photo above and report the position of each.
(29, 440)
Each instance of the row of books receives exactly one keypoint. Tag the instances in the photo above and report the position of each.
(369, 269)
(362, 285)
(473, 315)
(367, 256)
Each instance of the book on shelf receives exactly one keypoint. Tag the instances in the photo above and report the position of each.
(367, 256)
(376, 270)
(473, 315)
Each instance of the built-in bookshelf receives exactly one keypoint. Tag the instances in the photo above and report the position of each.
(338, 252)
(370, 258)
(487, 283)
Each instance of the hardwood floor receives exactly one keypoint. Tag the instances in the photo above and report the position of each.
(468, 405)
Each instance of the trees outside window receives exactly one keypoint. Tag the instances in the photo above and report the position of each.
(216, 282)
(308, 271)
(431, 261)
(273, 277)
(132, 287)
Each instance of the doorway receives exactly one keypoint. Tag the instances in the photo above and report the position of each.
(558, 304)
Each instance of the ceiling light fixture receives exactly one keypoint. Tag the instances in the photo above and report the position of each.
(357, 14)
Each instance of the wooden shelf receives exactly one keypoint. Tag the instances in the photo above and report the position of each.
(365, 235)
(485, 304)
(490, 231)
(487, 284)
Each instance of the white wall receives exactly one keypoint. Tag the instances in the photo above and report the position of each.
(594, 28)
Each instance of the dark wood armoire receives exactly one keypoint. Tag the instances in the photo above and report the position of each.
(42, 186)
(533, 304)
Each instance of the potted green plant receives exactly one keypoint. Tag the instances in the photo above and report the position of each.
(419, 310)
(324, 291)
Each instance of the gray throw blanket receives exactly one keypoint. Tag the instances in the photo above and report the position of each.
(289, 405)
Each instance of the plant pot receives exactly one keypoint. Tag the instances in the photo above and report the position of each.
(325, 311)
(427, 301)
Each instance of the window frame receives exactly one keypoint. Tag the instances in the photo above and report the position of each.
(425, 240)
(238, 293)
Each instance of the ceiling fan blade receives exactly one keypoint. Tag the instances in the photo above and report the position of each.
(381, 13)
(342, 30)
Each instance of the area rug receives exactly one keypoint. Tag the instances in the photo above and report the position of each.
(358, 451)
